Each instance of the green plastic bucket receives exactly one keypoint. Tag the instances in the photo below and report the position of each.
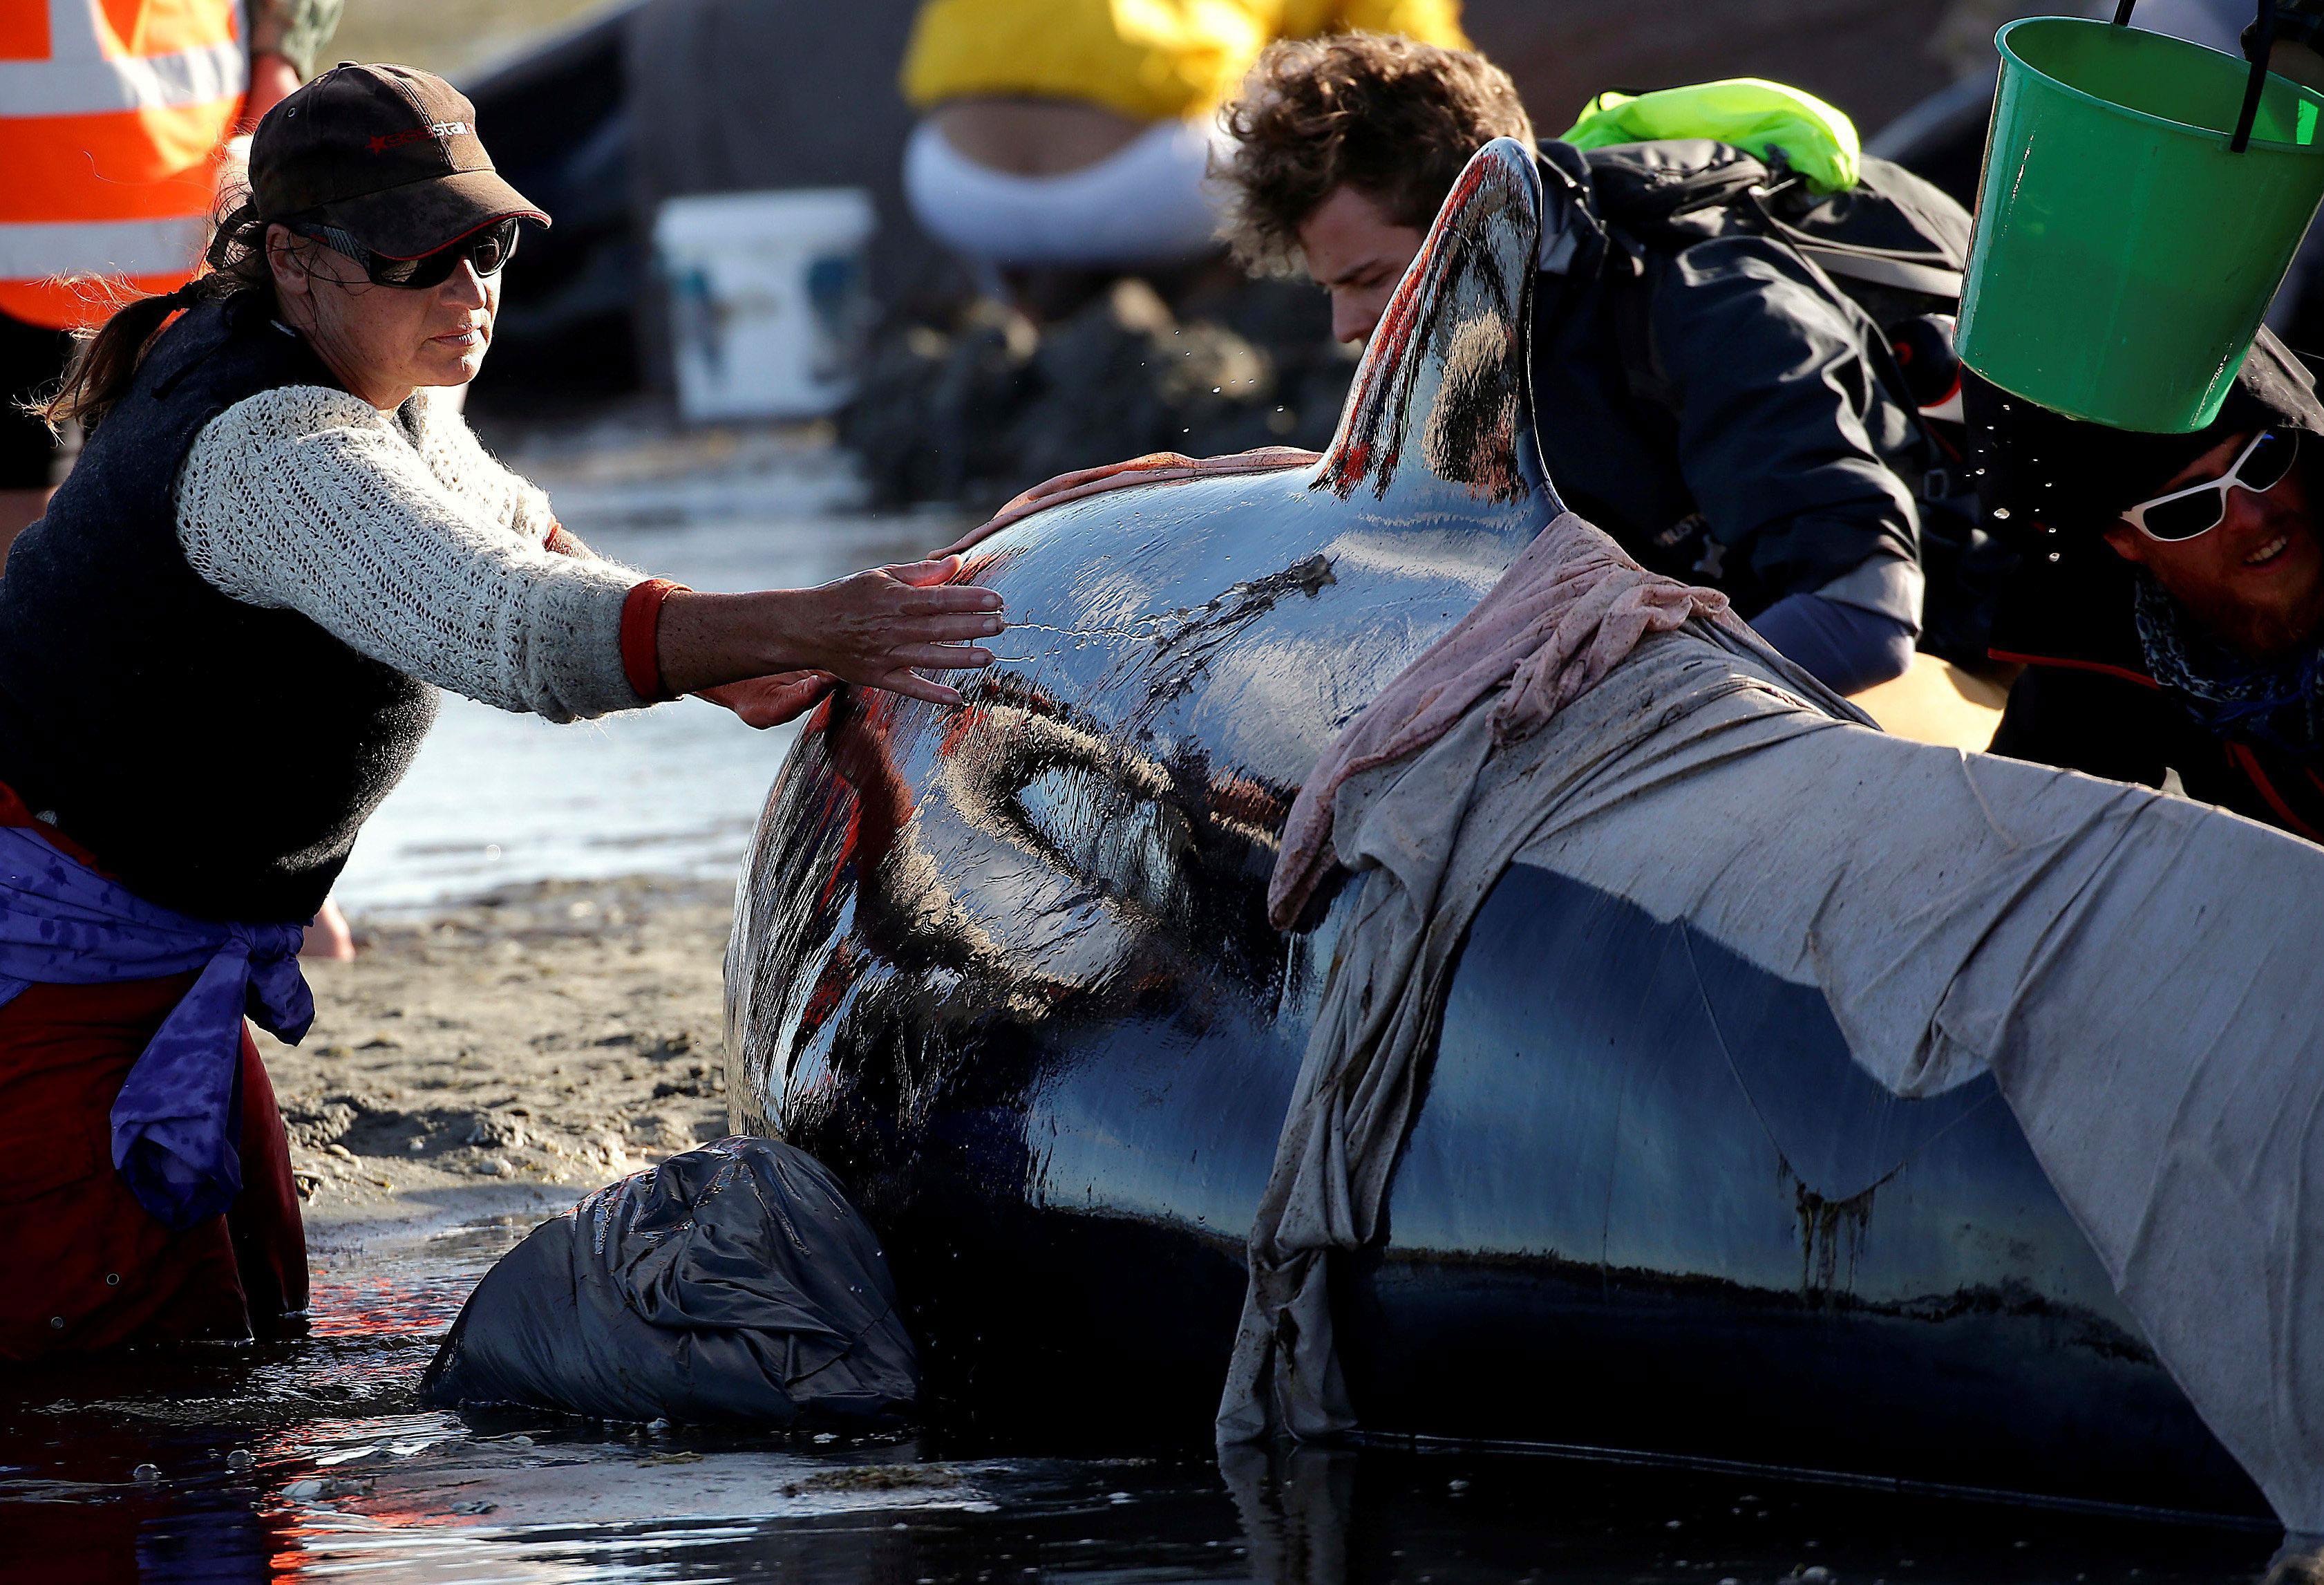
(2124, 254)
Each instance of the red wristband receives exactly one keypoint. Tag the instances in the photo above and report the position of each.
(642, 636)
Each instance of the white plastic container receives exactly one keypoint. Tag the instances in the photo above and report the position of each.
(768, 300)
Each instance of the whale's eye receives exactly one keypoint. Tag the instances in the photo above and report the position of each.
(1130, 846)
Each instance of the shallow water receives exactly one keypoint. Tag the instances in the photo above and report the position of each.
(310, 1462)
(496, 799)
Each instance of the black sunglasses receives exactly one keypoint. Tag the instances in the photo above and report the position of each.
(2197, 509)
(488, 250)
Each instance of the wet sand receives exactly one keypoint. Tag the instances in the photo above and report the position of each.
(513, 1052)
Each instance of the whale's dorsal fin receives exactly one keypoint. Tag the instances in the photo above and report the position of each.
(1444, 395)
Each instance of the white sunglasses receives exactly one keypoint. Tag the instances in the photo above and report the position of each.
(2183, 514)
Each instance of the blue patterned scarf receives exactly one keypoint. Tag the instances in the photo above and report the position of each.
(2278, 703)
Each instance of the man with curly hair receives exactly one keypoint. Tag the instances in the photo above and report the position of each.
(1719, 406)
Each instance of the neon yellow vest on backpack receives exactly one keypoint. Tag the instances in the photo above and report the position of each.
(1816, 139)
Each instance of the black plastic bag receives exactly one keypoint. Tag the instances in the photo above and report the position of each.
(735, 1281)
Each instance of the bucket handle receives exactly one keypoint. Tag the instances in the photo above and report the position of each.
(2259, 43)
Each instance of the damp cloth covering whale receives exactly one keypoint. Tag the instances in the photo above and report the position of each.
(733, 1282)
(2138, 972)
(1569, 609)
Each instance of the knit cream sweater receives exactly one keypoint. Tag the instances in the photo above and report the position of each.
(401, 536)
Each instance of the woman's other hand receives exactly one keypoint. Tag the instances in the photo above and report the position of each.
(1156, 468)
(769, 701)
(872, 629)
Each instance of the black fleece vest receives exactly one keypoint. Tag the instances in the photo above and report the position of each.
(219, 757)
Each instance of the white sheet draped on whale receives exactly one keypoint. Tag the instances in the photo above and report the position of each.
(2141, 974)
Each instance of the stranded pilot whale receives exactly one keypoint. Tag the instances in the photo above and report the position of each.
(1006, 969)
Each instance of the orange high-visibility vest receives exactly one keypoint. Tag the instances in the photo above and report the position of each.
(112, 115)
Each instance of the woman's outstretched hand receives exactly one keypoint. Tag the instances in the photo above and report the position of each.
(873, 629)
(769, 701)
(1157, 467)
(876, 628)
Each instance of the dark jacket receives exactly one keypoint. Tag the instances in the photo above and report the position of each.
(1712, 401)
(2087, 702)
(217, 756)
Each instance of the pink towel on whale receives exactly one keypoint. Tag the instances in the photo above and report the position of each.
(1570, 610)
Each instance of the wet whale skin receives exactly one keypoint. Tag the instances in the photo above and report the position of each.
(1005, 969)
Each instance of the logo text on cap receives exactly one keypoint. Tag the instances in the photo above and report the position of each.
(441, 129)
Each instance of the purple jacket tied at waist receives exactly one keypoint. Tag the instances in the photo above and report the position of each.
(175, 1123)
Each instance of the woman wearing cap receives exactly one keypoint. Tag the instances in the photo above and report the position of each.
(220, 650)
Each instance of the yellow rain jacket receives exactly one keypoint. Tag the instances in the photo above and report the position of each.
(1150, 60)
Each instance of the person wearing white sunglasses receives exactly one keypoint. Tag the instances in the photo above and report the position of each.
(2169, 612)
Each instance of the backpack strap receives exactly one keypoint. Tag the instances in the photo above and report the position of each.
(1882, 269)
(1929, 272)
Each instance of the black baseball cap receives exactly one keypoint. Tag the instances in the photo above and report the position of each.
(388, 154)
(2035, 465)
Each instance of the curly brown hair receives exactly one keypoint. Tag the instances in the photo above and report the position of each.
(1392, 117)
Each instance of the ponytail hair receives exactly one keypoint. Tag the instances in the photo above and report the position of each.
(105, 361)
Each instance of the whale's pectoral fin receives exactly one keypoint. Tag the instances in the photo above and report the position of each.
(1444, 398)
